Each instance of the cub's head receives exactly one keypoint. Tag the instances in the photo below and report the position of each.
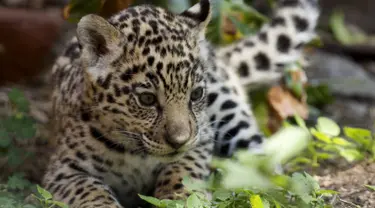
(145, 77)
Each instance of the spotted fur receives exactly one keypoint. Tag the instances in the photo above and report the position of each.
(142, 100)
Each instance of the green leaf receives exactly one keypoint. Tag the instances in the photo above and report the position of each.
(342, 142)
(328, 126)
(361, 136)
(18, 182)
(7, 202)
(249, 12)
(5, 139)
(256, 201)
(277, 204)
(240, 176)
(319, 95)
(315, 42)
(266, 203)
(15, 156)
(193, 201)
(242, 27)
(44, 193)
(370, 187)
(326, 192)
(29, 206)
(60, 204)
(193, 185)
(177, 6)
(17, 97)
(302, 160)
(20, 127)
(296, 86)
(222, 194)
(314, 183)
(80, 8)
(324, 155)
(151, 200)
(321, 136)
(258, 99)
(172, 204)
(340, 32)
(292, 140)
(300, 122)
(351, 154)
(302, 187)
(27, 132)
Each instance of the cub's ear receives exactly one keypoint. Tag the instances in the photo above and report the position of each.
(98, 37)
(200, 12)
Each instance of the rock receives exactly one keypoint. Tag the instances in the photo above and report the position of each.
(352, 112)
(14, 3)
(33, 4)
(343, 76)
(26, 39)
(353, 87)
(370, 67)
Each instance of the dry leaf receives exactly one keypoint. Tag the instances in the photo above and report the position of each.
(230, 32)
(283, 105)
(228, 26)
(66, 11)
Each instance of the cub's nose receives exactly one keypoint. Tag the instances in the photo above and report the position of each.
(176, 140)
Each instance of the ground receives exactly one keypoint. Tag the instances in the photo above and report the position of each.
(349, 182)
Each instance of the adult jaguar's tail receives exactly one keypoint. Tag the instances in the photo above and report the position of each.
(262, 58)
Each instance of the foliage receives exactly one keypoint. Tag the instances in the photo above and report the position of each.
(355, 144)
(14, 193)
(17, 127)
(248, 180)
(45, 199)
(232, 20)
(348, 35)
(78, 8)
(372, 188)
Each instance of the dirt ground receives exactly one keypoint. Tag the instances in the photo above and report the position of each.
(350, 183)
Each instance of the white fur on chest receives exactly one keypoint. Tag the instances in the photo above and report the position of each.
(131, 175)
(135, 170)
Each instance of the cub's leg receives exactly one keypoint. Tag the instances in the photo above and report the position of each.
(194, 164)
(72, 185)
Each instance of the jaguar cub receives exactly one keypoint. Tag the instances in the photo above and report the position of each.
(140, 98)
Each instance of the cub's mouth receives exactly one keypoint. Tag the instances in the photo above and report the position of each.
(138, 143)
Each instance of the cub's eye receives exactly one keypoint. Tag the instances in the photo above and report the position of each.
(197, 94)
(147, 99)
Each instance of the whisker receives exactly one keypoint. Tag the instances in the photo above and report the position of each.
(128, 133)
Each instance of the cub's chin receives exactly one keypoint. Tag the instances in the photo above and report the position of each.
(171, 157)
